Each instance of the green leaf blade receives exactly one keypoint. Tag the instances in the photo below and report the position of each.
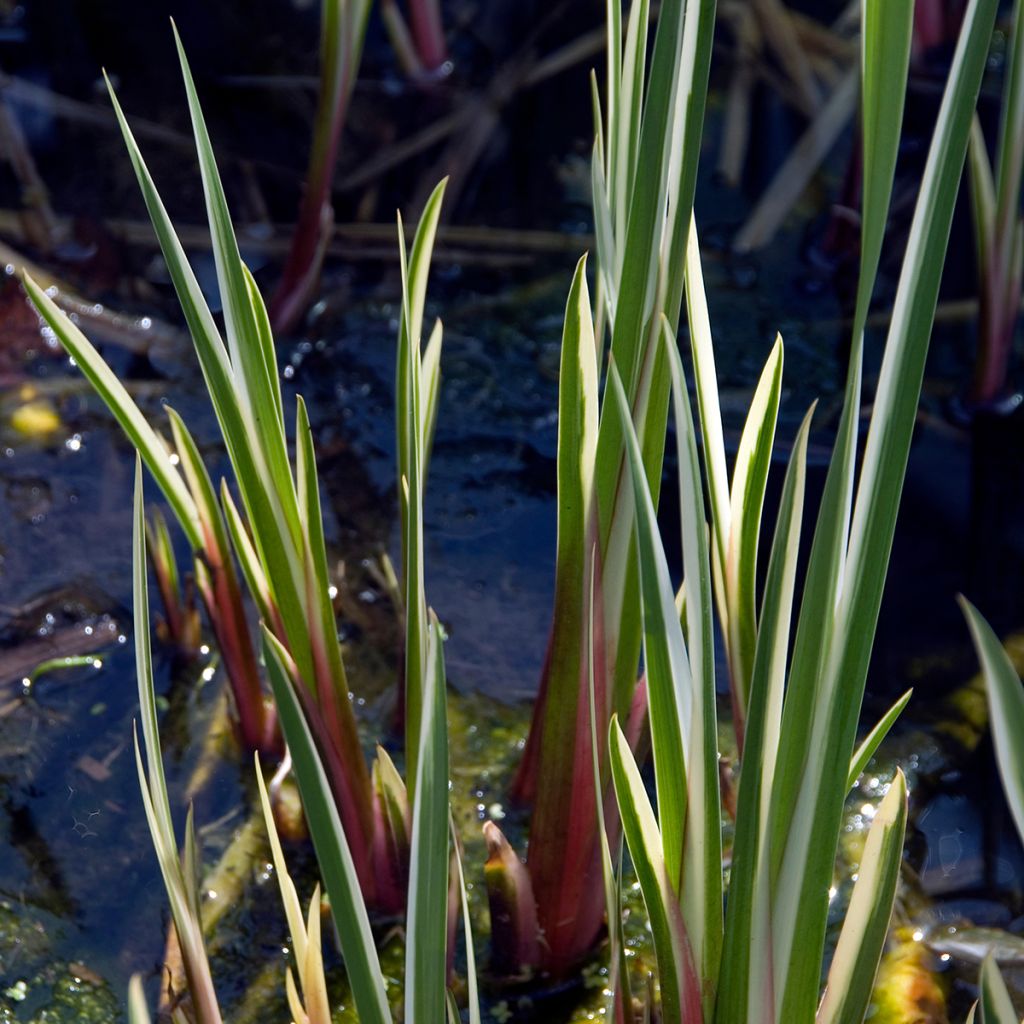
(855, 962)
(680, 989)
(1006, 703)
(115, 396)
(332, 849)
(427, 919)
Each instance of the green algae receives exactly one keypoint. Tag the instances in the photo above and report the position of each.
(61, 994)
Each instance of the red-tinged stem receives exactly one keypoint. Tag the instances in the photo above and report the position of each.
(691, 1005)
(993, 357)
(391, 832)
(428, 32)
(170, 598)
(565, 854)
(929, 24)
(340, 55)
(301, 273)
(997, 323)
(638, 736)
(181, 620)
(218, 585)
(348, 797)
(333, 722)
(391, 865)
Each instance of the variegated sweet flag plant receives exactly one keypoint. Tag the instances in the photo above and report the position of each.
(275, 527)
(644, 174)
(759, 958)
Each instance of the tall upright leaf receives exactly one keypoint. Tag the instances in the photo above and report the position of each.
(426, 921)
(563, 860)
(746, 983)
(415, 407)
(178, 881)
(681, 693)
(648, 176)
(677, 972)
(821, 715)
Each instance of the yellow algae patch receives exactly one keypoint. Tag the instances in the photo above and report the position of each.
(35, 417)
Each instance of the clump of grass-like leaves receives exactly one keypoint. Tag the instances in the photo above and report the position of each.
(759, 958)
(752, 951)
(426, 956)
(275, 531)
